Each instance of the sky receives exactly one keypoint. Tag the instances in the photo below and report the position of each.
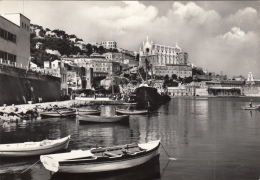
(217, 35)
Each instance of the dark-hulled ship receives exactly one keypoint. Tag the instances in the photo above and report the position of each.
(148, 97)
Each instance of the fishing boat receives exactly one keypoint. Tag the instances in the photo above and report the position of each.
(101, 159)
(103, 119)
(250, 107)
(58, 113)
(131, 112)
(33, 148)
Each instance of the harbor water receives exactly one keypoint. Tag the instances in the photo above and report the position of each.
(202, 138)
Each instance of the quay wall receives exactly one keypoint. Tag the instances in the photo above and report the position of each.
(18, 86)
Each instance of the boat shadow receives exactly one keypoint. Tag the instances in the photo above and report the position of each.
(148, 170)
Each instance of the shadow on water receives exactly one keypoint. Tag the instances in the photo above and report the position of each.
(149, 170)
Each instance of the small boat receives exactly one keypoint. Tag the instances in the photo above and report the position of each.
(103, 119)
(58, 113)
(250, 107)
(33, 148)
(84, 111)
(101, 159)
(129, 103)
(131, 112)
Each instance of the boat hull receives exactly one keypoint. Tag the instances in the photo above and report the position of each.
(83, 111)
(84, 165)
(103, 119)
(108, 166)
(135, 112)
(250, 108)
(58, 113)
(149, 97)
(33, 151)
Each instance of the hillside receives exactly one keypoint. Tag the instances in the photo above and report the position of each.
(44, 39)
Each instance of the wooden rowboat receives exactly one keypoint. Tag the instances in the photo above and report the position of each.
(250, 108)
(103, 119)
(101, 159)
(84, 111)
(33, 148)
(131, 112)
(58, 113)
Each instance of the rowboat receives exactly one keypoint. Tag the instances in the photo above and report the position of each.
(129, 103)
(33, 148)
(250, 107)
(103, 119)
(58, 113)
(131, 112)
(84, 111)
(101, 159)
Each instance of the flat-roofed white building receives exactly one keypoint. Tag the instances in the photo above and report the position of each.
(109, 44)
(15, 39)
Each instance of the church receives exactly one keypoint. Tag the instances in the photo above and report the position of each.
(164, 60)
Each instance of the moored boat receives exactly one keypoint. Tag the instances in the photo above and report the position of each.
(101, 159)
(131, 112)
(103, 119)
(147, 96)
(84, 111)
(33, 148)
(58, 113)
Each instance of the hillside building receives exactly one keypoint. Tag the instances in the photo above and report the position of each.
(109, 44)
(164, 60)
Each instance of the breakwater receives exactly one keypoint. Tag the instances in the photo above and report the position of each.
(18, 86)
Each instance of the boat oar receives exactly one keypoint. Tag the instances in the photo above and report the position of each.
(170, 158)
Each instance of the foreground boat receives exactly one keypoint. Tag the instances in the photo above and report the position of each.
(131, 112)
(58, 113)
(103, 119)
(33, 148)
(101, 159)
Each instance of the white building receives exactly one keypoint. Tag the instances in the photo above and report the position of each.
(15, 39)
(54, 52)
(109, 44)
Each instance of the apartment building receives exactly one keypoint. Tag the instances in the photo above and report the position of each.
(15, 39)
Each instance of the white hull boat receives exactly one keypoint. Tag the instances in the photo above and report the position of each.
(33, 148)
(131, 112)
(84, 111)
(101, 159)
(58, 113)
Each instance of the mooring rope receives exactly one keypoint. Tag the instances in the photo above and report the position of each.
(74, 141)
(30, 167)
(167, 153)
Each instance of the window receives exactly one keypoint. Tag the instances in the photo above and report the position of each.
(7, 35)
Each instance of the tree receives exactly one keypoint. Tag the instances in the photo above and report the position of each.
(89, 49)
(166, 77)
(174, 76)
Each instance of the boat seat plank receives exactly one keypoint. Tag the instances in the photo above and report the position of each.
(111, 154)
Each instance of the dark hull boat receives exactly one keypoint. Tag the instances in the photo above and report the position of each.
(147, 96)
